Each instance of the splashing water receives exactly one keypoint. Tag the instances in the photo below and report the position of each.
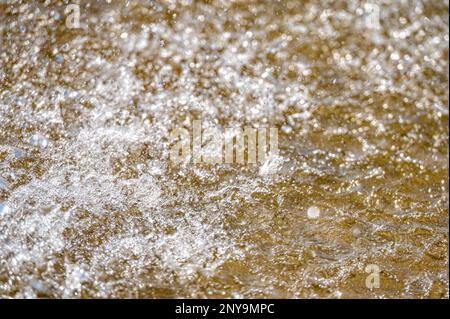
(91, 205)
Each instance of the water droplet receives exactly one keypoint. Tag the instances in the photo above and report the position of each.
(4, 209)
(286, 129)
(59, 58)
(18, 153)
(313, 212)
(356, 231)
(38, 140)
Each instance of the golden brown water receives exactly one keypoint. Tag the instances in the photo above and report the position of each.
(91, 205)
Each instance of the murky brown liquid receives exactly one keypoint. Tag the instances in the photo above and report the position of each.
(92, 206)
